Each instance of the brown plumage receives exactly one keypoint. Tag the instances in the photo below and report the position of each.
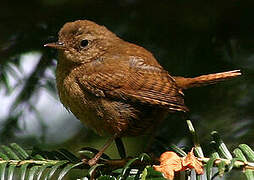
(116, 87)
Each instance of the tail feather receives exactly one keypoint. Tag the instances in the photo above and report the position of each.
(186, 83)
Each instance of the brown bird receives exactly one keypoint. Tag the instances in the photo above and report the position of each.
(115, 87)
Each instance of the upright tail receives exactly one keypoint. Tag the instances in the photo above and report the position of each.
(186, 83)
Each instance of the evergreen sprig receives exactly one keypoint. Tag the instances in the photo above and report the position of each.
(44, 165)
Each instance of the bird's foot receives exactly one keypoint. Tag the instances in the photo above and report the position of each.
(95, 159)
(92, 161)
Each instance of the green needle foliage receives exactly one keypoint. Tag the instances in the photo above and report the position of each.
(16, 162)
(22, 164)
(222, 158)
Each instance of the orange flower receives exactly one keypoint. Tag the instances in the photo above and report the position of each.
(170, 163)
(191, 161)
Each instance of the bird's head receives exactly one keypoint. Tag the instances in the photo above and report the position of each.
(83, 41)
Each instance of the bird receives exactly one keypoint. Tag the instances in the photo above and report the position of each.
(115, 87)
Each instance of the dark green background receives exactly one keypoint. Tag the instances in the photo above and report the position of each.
(188, 37)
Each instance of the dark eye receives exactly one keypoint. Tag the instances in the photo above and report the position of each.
(84, 43)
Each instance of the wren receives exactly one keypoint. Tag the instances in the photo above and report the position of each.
(115, 87)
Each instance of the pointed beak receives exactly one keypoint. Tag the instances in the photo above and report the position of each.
(56, 45)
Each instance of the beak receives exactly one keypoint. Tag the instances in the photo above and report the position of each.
(56, 45)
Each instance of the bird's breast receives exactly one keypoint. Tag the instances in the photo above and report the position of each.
(82, 104)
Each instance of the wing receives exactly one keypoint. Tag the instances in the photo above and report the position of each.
(134, 80)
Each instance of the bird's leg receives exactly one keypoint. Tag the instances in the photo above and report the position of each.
(120, 147)
(94, 160)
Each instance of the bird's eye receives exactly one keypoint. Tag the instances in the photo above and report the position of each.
(84, 43)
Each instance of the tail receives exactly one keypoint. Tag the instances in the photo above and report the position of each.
(186, 83)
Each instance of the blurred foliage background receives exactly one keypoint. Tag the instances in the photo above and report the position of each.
(188, 38)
